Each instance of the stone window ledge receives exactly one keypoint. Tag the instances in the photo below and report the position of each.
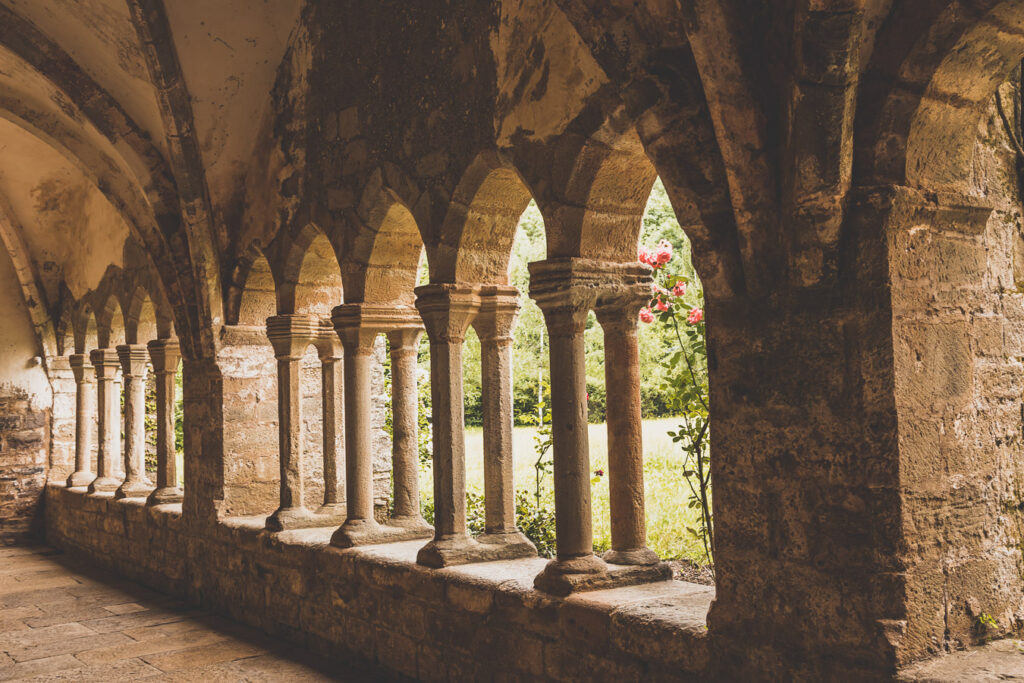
(662, 623)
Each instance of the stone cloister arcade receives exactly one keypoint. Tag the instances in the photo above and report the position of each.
(245, 192)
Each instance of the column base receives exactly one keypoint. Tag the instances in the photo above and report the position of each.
(634, 556)
(359, 532)
(285, 519)
(412, 522)
(591, 573)
(166, 495)
(456, 550)
(515, 543)
(133, 489)
(333, 514)
(80, 479)
(104, 485)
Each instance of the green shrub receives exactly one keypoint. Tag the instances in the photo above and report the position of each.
(538, 523)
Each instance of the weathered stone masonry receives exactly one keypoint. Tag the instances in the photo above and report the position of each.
(24, 434)
(465, 623)
(255, 185)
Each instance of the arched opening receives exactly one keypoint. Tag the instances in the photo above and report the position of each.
(65, 332)
(590, 261)
(142, 320)
(319, 288)
(111, 323)
(142, 328)
(258, 300)
(89, 341)
(394, 260)
(947, 149)
(503, 232)
(317, 291)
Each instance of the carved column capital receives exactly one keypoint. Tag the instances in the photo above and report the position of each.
(358, 324)
(105, 362)
(405, 340)
(134, 359)
(164, 355)
(82, 368)
(328, 345)
(447, 310)
(291, 334)
(499, 308)
(566, 289)
(621, 307)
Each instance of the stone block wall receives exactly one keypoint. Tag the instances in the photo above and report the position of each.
(477, 622)
(62, 419)
(958, 317)
(24, 441)
(251, 466)
(251, 469)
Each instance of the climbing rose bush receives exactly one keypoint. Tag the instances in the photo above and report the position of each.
(676, 303)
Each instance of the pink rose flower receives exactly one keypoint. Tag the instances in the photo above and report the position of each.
(662, 306)
(663, 252)
(696, 315)
(644, 255)
(646, 316)
(679, 289)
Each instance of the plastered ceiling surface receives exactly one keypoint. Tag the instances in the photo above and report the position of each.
(100, 37)
(71, 230)
(229, 52)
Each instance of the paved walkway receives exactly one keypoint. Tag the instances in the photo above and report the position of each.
(62, 621)
(997, 662)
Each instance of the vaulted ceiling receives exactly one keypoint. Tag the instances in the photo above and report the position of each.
(91, 134)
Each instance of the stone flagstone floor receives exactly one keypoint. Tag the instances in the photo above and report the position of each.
(63, 621)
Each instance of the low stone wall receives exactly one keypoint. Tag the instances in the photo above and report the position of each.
(24, 441)
(477, 622)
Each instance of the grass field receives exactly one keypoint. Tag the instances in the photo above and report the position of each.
(667, 491)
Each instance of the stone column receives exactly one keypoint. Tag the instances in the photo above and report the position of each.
(106, 364)
(165, 354)
(85, 411)
(404, 344)
(618, 319)
(566, 289)
(331, 384)
(133, 359)
(499, 307)
(358, 325)
(447, 311)
(290, 336)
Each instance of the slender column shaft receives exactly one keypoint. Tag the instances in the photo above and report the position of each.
(291, 335)
(165, 354)
(449, 448)
(358, 459)
(405, 421)
(570, 444)
(106, 364)
(625, 435)
(289, 402)
(85, 413)
(133, 367)
(447, 311)
(358, 325)
(494, 326)
(496, 393)
(333, 424)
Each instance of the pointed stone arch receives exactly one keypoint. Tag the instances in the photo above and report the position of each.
(385, 250)
(479, 228)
